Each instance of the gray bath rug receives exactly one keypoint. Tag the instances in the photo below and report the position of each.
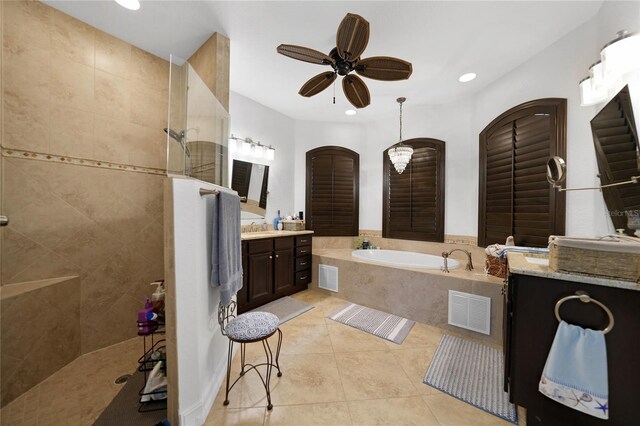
(285, 308)
(472, 373)
(381, 324)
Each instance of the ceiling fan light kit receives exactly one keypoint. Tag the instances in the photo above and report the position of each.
(351, 41)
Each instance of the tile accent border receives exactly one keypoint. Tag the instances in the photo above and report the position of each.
(30, 155)
(448, 239)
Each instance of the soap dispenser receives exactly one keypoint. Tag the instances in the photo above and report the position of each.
(157, 298)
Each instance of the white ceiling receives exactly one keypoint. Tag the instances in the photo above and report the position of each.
(442, 39)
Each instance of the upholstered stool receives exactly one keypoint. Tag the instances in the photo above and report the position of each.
(251, 327)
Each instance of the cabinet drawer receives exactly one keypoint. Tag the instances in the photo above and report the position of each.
(303, 251)
(261, 246)
(303, 277)
(303, 263)
(304, 240)
(283, 243)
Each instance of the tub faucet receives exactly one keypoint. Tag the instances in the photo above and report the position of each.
(446, 254)
(251, 227)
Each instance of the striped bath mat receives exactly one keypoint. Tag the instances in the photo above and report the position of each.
(472, 373)
(378, 323)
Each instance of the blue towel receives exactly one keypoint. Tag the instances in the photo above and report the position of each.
(502, 253)
(226, 248)
(575, 373)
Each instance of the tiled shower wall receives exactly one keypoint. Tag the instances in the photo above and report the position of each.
(71, 93)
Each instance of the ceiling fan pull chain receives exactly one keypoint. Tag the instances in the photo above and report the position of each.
(334, 92)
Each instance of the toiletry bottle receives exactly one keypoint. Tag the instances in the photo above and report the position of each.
(157, 298)
(276, 221)
(146, 326)
(365, 244)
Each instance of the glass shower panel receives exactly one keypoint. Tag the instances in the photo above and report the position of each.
(198, 132)
(177, 155)
(207, 132)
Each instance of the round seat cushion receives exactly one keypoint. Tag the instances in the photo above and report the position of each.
(252, 326)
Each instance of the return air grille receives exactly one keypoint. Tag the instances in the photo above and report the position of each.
(470, 311)
(328, 277)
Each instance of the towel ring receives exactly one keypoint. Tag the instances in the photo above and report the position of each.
(584, 297)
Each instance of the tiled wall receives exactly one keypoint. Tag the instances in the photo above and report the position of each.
(70, 90)
(48, 337)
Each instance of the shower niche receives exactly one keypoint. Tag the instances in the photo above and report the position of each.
(198, 128)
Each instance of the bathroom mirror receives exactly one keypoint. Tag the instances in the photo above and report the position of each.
(556, 171)
(251, 180)
(615, 139)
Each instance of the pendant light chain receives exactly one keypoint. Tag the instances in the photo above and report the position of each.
(401, 121)
(400, 154)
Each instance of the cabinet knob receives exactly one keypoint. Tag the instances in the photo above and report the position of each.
(270, 257)
(277, 256)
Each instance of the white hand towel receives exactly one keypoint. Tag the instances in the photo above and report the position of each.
(575, 373)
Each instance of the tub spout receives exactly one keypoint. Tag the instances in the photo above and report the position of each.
(445, 256)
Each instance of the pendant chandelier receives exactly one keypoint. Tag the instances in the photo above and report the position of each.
(400, 154)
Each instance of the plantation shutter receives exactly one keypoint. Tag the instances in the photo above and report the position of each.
(264, 190)
(413, 201)
(240, 177)
(332, 198)
(499, 184)
(515, 197)
(531, 191)
(616, 146)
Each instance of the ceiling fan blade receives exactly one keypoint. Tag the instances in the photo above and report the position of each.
(317, 84)
(304, 54)
(352, 37)
(356, 91)
(384, 68)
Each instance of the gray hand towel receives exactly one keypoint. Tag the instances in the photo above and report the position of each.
(226, 249)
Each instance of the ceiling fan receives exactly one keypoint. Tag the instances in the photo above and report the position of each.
(351, 40)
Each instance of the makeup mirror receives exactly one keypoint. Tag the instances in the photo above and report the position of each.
(556, 171)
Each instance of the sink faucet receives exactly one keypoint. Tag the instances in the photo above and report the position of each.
(445, 255)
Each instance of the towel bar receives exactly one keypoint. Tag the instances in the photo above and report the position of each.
(204, 192)
(585, 298)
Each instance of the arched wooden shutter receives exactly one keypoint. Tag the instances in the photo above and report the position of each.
(413, 202)
(332, 196)
(515, 197)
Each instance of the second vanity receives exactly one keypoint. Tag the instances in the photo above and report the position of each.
(530, 325)
(275, 264)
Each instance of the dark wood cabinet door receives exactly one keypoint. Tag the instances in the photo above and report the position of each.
(243, 295)
(260, 276)
(283, 273)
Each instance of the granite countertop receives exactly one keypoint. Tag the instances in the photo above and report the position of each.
(477, 274)
(518, 264)
(245, 236)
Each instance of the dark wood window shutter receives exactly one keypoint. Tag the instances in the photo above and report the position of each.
(333, 189)
(616, 143)
(515, 197)
(413, 202)
(241, 177)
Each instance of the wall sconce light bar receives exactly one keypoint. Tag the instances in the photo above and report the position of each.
(249, 146)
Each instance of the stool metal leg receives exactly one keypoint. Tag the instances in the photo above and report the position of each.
(278, 352)
(242, 358)
(229, 359)
(269, 365)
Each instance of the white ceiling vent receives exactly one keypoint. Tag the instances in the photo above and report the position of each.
(328, 277)
(470, 311)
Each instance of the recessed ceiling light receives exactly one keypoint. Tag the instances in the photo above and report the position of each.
(350, 112)
(467, 77)
(129, 4)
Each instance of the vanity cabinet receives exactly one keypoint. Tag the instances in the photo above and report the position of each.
(273, 268)
(530, 326)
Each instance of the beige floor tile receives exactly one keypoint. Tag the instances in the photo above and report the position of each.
(233, 416)
(420, 335)
(394, 411)
(305, 339)
(249, 392)
(312, 316)
(415, 362)
(368, 375)
(307, 379)
(349, 339)
(450, 411)
(334, 414)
